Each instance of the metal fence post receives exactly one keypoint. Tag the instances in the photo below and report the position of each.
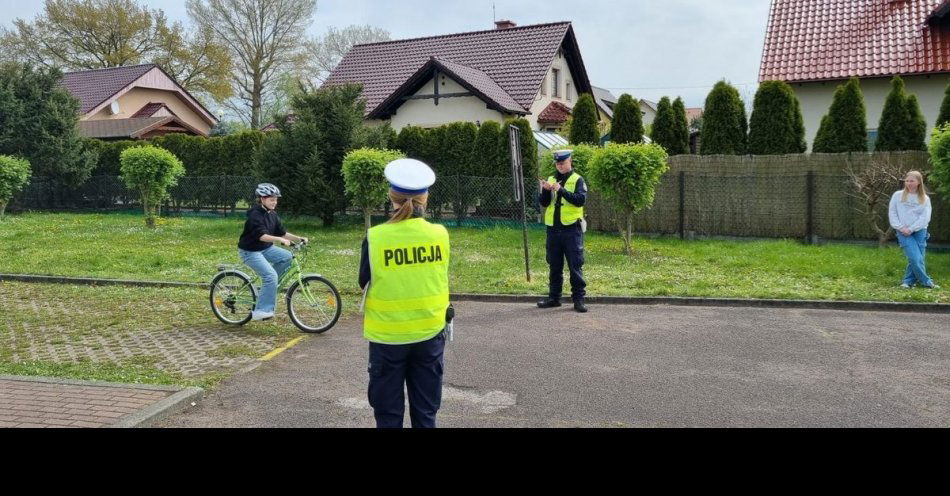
(682, 204)
(810, 208)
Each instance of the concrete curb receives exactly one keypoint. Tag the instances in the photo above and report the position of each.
(865, 306)
(875, 306)
(178, 401)
(165, 408)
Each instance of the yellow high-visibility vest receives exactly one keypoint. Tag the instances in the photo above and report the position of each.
(409, 282)
(570, 214)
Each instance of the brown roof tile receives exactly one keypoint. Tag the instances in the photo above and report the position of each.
(515, 60)
(94, 87)
(555, 113)
(836, 39)
(130, 128)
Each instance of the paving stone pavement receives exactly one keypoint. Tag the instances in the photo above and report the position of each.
(31, 404)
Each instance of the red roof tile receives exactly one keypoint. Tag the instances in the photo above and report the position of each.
(515, 60)
(836, 39)
(151, 109)
(555, 113)
(97, 86)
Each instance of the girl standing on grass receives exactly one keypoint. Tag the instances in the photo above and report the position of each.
(910, 212)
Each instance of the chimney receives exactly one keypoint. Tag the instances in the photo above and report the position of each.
(506, 24)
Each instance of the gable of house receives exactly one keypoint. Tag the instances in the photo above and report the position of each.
(136, 92)
(503, 68)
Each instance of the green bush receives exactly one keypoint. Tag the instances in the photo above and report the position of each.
(680, 145)
(896, 125)
(584, 122)
(412, 142)
(582, 157)
(490, 153)
(844, 128)
(917, 133)
(627, 177)
(664, 131)
(944, 116)
(627, 124)
(365, 179)
(151, 171)
(940, 159)
(724, 122)
(381, 137)
(776, 126)
(14, 176)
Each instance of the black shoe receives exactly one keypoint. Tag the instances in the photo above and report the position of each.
(549, 303)
(579, 306)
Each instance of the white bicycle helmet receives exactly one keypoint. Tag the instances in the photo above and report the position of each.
(267, 189)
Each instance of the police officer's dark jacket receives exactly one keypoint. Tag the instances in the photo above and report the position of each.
(578, 198)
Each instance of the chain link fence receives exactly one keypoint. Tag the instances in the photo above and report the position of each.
(195, 194)
(793, 196)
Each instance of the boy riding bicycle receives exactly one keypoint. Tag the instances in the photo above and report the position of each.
(262, 230)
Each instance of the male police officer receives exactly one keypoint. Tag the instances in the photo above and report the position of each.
(563, 197)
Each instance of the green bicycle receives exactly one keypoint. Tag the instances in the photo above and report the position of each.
(313, 302)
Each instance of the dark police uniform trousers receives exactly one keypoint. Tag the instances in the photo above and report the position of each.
(420, 367)
(565, 242)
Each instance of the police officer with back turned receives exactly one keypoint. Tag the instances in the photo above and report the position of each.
(563, 197)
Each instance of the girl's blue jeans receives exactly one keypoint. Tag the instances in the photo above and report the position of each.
(915, 249)
(270, 264)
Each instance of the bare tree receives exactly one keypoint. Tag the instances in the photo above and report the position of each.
(324, 53)
(873, 186)
(265, 39)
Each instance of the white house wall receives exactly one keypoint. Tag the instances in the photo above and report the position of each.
(426, 113)
(545, 97)
(816, 99)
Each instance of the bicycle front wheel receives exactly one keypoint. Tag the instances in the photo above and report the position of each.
(233, 298)
(314, 304)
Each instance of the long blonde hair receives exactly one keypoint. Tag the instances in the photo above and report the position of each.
(921, 189)
(407, 205)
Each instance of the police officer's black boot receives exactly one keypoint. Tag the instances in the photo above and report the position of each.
(549, 303)
(579, 306)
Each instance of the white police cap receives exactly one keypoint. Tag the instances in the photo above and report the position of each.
(562, 155)
(409, 176)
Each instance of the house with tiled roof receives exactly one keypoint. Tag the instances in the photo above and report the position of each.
(135, 102)
(816, 45)
(535, 72)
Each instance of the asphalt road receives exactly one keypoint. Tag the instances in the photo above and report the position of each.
(512, 365)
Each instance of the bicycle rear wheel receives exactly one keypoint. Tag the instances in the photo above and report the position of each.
(314, 304)
(233, 298)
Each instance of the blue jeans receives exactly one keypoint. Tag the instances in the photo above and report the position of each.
(915, 248)
(270, 264)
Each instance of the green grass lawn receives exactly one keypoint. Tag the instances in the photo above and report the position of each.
(483, 260)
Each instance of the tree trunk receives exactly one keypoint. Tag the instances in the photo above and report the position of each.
(3, 208)
(368, 217)
(628, 222)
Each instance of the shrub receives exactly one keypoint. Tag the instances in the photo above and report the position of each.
(724, 122)
(365, 180)
(14, 176)
(584, 123)
(627, 124)
(151, 171)
(627, 176)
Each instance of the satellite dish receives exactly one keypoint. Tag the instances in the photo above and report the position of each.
(114, 107)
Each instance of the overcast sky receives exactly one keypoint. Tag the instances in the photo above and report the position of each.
(648, 48)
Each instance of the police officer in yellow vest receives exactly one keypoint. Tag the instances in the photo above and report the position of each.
(404, 271)
(563, 197)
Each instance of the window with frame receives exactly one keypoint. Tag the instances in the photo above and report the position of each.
(555, 83)
(544, 87)
(567, 91)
